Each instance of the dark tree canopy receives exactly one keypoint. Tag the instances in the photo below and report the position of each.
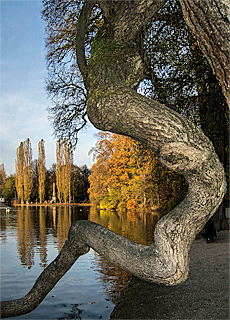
(209, 22)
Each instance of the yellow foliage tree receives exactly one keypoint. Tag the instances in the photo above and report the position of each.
(64, 156)
(24, 171)
(127, 174)
(41, 170)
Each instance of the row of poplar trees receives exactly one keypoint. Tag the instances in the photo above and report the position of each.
(24, 170)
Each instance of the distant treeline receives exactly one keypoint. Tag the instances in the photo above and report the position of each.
(32, 182)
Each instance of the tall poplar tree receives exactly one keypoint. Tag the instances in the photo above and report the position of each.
(19, 165)
(58, 169)
(66, 170)
(41, 170)
(64, 156)
(27, 169)
(24, 170)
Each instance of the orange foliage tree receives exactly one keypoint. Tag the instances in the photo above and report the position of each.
(126, 174)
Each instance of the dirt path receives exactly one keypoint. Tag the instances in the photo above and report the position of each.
(205, 295)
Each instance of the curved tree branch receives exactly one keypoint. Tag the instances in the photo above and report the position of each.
(80, 38)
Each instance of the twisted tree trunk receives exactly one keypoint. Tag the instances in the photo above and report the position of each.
(209, 22)
(114, 71)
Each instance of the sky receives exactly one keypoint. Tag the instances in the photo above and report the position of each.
(24, 99)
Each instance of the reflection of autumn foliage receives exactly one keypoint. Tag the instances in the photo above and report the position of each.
(43, 237)
(25, 236)
(3, 219)
(63, 225)
(34, 225)
(138, 227)
(63, 218)
(114, 280)
(131, 216)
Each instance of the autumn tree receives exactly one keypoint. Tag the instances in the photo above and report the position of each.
(34, 194)
(119, 177)
(127, 174)
(111, 76)
(24, 170)
(8, 191)
(27, 169)
(66, 171)
(58, 169)
(41, 170)
(64, 157)
(19, 164)
(2, 177)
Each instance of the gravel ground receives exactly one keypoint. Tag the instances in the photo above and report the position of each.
(204, 295)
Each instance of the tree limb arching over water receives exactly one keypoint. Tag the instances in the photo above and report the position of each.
(111, 77)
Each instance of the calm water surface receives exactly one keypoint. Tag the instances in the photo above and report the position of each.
(31, 237)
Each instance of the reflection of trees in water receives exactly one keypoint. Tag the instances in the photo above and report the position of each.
(65, 217)
(25, 236)
(63, 225)
(54, 214)
(73, 314)
(114, 280)
(138, 227)
(35, 223)
(43, 237)
(3, 224)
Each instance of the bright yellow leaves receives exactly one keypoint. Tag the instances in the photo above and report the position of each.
(128, 175)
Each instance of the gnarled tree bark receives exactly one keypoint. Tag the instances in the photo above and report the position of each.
(114, 72)
(209, 21)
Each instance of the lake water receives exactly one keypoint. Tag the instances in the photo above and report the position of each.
(31, 237)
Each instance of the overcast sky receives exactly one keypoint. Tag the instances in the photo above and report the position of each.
(23, 96)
